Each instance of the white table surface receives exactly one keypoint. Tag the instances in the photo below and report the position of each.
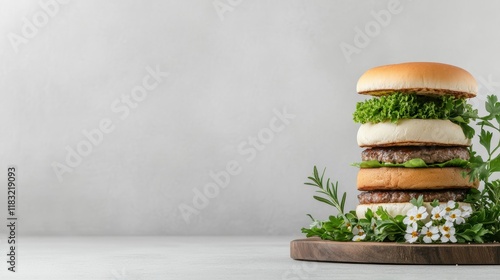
(203, 257)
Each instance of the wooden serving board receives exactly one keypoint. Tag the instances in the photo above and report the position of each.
(315, 249)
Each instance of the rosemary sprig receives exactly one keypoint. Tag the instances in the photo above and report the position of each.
(330, 191)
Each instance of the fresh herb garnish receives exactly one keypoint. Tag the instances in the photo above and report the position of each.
(337, 227)
(448, 223)
(330, 190)
(486, 203)
(400, 106)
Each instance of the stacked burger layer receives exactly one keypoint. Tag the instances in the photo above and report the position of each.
(414, 145)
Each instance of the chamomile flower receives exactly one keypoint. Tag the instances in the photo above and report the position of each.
(444, 229)
(455, 216)
(411, 233)
(449, 236)
(357, 229)
(430, 234)
(451, 205)
(359, 233)
(467, 211)
(410, 216)
(437, 213)
(415, 214)
(421, 213)
(359, 237)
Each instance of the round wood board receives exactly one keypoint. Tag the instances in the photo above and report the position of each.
(315, 249)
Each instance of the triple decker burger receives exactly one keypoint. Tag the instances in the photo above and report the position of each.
(415, 135)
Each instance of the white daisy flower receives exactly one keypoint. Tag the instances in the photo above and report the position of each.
(430, 234)
(411, 233)
(410, 216)
(437, 213)
(357, 229)
(360, 236)
(415, 214)
(451, 205)
(421, 213)
(449, 236)
(467, 211)
(446, 227)
(359, 233)
(455, 216)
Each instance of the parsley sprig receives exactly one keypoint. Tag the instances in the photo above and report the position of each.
(486, 203)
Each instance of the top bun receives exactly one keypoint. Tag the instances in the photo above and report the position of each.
(425, 78)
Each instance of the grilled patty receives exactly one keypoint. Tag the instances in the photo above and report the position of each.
(406, 196)
(430, 154)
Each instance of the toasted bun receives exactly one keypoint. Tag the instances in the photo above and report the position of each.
(395, 209)
(426, 78)
(412, 132)
(402, 178)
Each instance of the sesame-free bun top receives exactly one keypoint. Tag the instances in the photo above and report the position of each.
(426, 78)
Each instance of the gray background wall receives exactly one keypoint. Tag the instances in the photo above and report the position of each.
(229, 72)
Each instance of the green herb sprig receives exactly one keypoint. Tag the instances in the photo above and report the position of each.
(336, 227)
(330, 190)
(486, 203)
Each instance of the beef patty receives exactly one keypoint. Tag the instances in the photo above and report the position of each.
(405, 196)
(429, 154)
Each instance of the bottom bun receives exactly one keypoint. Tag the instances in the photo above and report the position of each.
(395, 209)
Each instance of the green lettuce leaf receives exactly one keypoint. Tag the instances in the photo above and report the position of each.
(413, 163)
(399, 106)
